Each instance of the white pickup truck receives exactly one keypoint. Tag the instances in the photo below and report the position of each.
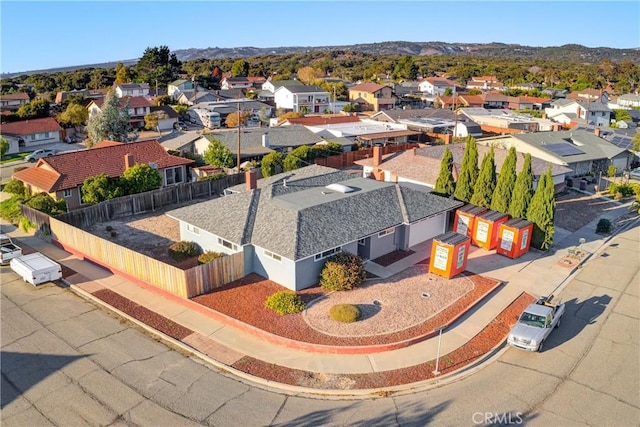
(535, 324)
(8, 249)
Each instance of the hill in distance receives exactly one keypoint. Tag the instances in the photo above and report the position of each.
(569, 52)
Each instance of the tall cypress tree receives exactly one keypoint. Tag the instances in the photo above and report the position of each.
(522, 191)
(445, 185)
(486, 182)
(506, 182)
(541, 212)
(468, 172)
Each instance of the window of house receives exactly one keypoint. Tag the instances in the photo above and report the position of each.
(328, 253)
(274, 256)
(227, 244)
(387, 232)
(362, 242)
(193, 229)
(48, 134)
(173, 176)
(66, 193)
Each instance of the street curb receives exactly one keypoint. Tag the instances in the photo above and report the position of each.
(292, 390)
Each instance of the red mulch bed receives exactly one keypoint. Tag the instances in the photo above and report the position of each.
(143, 314)
(479, 345)
(244, 299)
(392, 257)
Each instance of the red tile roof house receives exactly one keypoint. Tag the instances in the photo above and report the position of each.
(25, 135)
(62, 175)
(13, 101)
(139, 106)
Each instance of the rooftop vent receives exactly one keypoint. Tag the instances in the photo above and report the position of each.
(340, 188)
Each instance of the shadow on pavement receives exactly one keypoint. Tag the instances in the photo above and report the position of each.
(576, 317)
(21, 371)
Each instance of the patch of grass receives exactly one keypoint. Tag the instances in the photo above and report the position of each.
(14, 157)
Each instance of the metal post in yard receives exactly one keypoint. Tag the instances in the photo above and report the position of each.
(436, 371)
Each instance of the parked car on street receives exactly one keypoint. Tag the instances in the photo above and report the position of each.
(38, 154)
(180, 126)
(634, 173)
(535, 324)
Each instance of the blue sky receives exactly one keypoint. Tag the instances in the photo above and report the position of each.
(49, 34)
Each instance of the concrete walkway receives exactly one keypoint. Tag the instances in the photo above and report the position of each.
(535, 272)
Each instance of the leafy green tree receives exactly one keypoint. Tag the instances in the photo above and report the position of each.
(98, 188)
(541, 212)
(486, 182)
(4, 146)
(636, 142)
(151, 121)
(15, 186)
(468, 172)
(622, 115)
(219, 155)
(272, 164)
(406, 68)
(232, 119)
(45, 203)
(240, 68)
(157, 63)
(308, 74)
(506, 181)
(522, 190)
(75, 115)
(292, 162)
(140, 178)
(111, 123)
(445, 185)
(447, 92)
(38, 108)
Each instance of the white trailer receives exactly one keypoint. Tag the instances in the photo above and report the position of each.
(36, 268)
(205, 118)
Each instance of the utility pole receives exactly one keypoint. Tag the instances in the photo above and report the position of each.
(239, 137)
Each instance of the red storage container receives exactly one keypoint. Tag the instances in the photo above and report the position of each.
(449, 253)
(485, 229)
(514, 237)
(466, 217)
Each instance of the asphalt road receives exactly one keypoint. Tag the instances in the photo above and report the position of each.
(68, 362)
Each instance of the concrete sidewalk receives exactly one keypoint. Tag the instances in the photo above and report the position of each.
(536, 273)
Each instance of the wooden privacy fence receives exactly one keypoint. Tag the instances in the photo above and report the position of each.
(40, 219)
(134, 204)
(348, 159)
(183, 283)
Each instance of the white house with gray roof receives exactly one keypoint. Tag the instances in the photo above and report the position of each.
(579, 150)
(590, 113)
(287, 225)
(312, 98)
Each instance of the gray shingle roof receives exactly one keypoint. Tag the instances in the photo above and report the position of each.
(279, 137)
(303, 218)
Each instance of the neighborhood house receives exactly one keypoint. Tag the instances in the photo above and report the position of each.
(287, 225)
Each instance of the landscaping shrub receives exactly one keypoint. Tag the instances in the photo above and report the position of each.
(213, 177)
(27, 225)
(345, 313)
(604, 226)
(625, 190)
(209, 256)
(180, 251)
(611, 171)
(285, 302)
(44, 203)
(10, 209)
(342, 271)
(15, 186)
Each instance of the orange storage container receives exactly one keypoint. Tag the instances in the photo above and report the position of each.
(514, 237)
(485, 229)
(449, 253)
(466, 218)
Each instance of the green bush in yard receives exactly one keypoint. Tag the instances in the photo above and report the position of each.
(180, 251)
(285, 302)
(209, 256)
(345, 313)
(15, 186)
(603, 226)
(342, 271)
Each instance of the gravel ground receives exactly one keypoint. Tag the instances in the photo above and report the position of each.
(410, 298)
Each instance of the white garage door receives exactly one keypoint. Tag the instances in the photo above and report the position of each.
(426, 229)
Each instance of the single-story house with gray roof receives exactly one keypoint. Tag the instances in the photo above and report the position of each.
(255, 143)
(287, 225)
(582, 151)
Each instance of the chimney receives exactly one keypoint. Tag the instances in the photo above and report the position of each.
(377, 155)
(448, 138)
(250, 180)
(597, 131)
(265, 140)
(128, 161)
